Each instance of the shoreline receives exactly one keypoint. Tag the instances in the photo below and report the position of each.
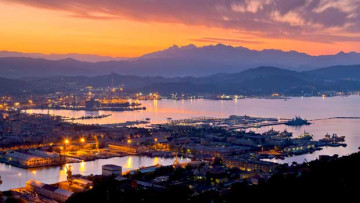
(28, 173)
(149, 155)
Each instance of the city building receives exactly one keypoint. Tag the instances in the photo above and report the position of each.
(47, 191)
(110, 169)
(122, 147)
(31, 158)
(16, 127)
(250, 165)
(80, 184)
(92, 104)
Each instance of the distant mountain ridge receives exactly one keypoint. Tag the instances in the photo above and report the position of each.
(263, 80)
(174, 61)
(79, 57)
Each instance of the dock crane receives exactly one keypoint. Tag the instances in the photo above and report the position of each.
(68, 170)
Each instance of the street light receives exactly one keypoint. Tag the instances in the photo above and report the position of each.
(82, 141)
(66, 141)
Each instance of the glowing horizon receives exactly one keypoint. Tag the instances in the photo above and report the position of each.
(128, 28)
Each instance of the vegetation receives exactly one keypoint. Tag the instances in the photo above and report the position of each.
(322, 179)
(258, 82)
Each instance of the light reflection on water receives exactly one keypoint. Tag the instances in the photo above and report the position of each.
(14, 177)
(347, 127)
(159, 111)
(306, 107)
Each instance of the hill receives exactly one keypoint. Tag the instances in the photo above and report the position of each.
(172, 62)
(79, 57)
(263, 80)
(332, 179)
(14, 87)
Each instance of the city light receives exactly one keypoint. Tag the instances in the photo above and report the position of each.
(184, 101)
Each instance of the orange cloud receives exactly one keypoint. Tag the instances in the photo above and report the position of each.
(135, 27)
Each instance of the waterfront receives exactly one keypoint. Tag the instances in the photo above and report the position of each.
(307, 107)
(14, 177)
(159, 110)
(345, 127)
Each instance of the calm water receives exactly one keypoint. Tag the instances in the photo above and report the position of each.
(306, 107)
(159, 111)
(14, 177)
(346, 127)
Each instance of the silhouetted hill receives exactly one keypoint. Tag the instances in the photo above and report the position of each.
(13, 87)
(324, 180)
(263, 80)
(351, 72)
(26, 67)
(175, 62)
(80, 57)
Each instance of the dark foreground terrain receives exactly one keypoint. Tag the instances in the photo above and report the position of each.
(327, 179)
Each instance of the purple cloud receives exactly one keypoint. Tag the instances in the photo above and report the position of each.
(225, 40)
(300, 19)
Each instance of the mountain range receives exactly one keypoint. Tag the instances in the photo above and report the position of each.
(172, 62)
(79, 57)
(263, 80)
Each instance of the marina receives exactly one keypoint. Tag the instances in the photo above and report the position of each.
(179, 101)
(88, 117)
(327, 115)
(160, 112)
(14, 177)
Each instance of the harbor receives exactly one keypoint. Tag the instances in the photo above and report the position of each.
(237, 122)
(14, 177)
(308, 141)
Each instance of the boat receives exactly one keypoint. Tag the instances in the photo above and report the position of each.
(333, 139)
(297, 121)
(284, 134)
(336, 144)
(305, 136)
(271, 132)
(300, 149)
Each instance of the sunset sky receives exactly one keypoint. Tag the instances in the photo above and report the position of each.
(131, 28)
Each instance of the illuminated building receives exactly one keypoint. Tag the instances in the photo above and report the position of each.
(121, 147)
(32, 158)
(250, 165)
(48, 191)
(80, 184)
